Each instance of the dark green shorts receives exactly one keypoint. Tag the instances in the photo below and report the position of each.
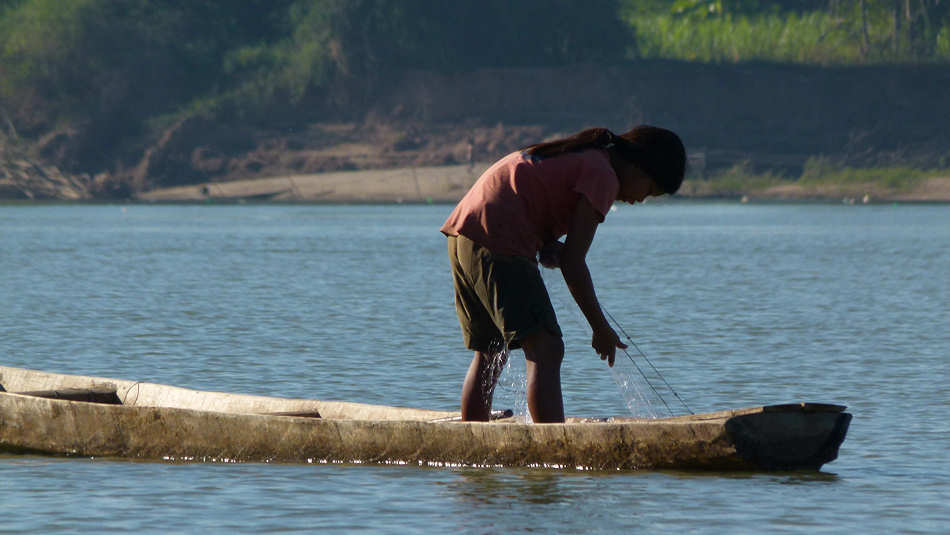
(499, 299)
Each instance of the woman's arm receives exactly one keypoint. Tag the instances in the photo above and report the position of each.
(574, 269)
(550, 254)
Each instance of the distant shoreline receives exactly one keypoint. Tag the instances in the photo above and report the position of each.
(411, 184)
(447, 184)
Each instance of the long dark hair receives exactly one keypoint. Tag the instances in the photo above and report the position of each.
(657, 151)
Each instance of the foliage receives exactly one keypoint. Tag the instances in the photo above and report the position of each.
(714, 8)
(120, 69)
(804, 31)
(739, 178)
(368, 38)
(820, 173)
(100, 58)
(822, 170)
(91, 59)
(809, 38)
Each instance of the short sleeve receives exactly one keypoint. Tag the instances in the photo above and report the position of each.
(598, 182)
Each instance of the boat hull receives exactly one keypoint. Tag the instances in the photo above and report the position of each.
(791, 437)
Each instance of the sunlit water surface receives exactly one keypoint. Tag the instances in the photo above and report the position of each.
(736, 305)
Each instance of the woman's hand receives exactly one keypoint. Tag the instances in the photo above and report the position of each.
(605, 342)
(550, 254)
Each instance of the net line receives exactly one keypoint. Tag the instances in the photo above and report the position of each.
(655, 370)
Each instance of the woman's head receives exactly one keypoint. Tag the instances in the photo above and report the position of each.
(658, 152)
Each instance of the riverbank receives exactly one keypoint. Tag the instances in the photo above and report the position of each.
(449, 184)
(426, 119)
(411, 184)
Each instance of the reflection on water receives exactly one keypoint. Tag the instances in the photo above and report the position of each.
(493, 487)
(784, 477)
(531, 486)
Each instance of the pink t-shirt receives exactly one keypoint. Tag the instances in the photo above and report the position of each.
(521, 202)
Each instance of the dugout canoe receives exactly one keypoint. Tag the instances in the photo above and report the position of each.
(50, 413)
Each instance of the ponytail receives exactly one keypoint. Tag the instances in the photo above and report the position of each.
(591, 138)
(658, 152)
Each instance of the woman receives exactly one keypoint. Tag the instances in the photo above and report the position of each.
(516, 212)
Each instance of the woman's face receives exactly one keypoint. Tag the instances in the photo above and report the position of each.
(635, 185)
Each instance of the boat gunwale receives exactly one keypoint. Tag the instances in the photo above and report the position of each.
(124, 388)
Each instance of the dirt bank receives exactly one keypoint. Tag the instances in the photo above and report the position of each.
(449, 183)
(24, 178)
(413, 184)
(773, 116)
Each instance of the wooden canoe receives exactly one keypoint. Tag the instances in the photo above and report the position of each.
(48, 413)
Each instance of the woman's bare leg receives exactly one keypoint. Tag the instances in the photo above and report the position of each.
(543, 353)
(479, 385)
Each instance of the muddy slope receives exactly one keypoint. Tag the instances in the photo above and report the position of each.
(774, 116)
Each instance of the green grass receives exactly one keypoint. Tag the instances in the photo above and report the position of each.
(807, 38)
(820, 176)
(897, 179)
(733, 182)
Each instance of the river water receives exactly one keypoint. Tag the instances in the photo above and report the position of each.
(737, 305)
